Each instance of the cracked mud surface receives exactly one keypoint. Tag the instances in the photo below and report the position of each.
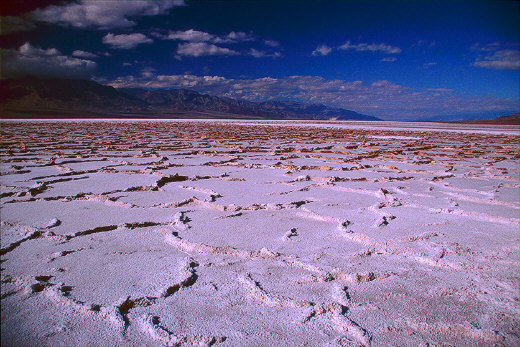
(234, 234)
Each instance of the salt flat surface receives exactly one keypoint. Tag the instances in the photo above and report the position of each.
(364, 125)
(240, 233)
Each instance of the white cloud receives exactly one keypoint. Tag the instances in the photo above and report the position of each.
(200, 43)
(261, 54)
(30, 60)
(272, 43)
(493, 46)
(235, 37)
(322, 50)
(83, 54)
(28, 50)
(125, 41)
(199, 49)
(373, 47)
(507, 59)
(381, 98)
(389, 59)
(102, 14)
(192, 35)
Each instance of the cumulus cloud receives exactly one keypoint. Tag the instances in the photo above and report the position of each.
(125, 41)
(322, 50)
(28, 50)
(190, 35)
(83, 54)
(380, 98)
(507, 59)
(373, 47)
(199, 49)
(102, 14)
(201, 43)
(30, 60)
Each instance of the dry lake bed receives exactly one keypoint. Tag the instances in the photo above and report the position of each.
(241, 233)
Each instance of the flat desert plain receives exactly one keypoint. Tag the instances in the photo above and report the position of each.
(240, 233)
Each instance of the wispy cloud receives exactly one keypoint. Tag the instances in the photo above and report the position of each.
(102, 14)
(261, 54)
(125, 41)
(83, 54)
(199, 49)
(381, 98)
(233, 37)
(488, 47)
(373, 47)
(507, 59)
(271, 43)
(236, 37)
(498, 56)
(322, 50)
(30, 60)
(389, 59)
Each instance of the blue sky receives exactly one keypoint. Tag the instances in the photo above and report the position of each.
(403, 60)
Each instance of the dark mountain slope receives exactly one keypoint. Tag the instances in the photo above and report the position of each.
(513, 119)
(66, 94)
(30, 97)
(188, 100)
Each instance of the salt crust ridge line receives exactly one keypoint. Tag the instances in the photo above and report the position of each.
(388, 248)
(117, 313)
(335, 311)
(172, 238)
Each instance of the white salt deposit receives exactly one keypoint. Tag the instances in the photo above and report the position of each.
(240, 233)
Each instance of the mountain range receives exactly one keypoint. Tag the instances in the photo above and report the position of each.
(32, 97)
